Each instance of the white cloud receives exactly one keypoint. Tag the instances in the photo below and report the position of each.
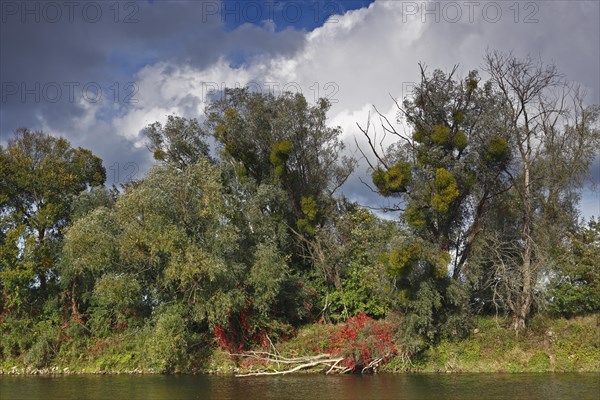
(372, 53)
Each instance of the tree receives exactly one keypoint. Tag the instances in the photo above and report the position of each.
(39, 177)
(553, 136)
(348, 252)
(445, 175)
(180, 142)
(177, 241)
(283, 165)
(282, 141)
(91, 250)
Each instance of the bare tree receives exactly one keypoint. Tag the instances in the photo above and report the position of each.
(553, 136)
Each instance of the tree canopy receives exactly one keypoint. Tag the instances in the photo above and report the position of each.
(239, 233)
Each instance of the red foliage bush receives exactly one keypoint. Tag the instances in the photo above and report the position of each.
(361, 340)
(245, 331)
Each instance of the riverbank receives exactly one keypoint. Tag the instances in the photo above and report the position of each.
(548, 345)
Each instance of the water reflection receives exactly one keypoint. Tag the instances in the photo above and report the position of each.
(409, 387)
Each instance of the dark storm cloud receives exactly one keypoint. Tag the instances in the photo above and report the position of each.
(41, 52)
(60, 59)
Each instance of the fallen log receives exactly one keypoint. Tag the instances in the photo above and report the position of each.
(270, 357)
(329, 362)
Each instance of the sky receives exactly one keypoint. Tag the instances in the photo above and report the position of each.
(98, 72)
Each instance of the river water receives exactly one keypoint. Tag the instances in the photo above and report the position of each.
(383, 386)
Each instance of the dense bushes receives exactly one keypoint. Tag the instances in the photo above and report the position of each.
(362, 340)
(575, 288)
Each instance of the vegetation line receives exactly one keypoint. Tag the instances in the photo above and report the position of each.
(246, 258)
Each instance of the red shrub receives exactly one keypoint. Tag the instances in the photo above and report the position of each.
(361, 340)
(245, 331)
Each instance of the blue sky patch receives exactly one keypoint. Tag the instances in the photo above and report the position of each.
(300, 14)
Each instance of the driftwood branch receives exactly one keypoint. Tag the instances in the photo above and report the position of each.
(300, 363)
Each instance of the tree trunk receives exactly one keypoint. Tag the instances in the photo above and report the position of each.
(42, 274)
(524, 298)
(74, 313)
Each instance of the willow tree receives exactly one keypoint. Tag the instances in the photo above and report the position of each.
(282, 145)
(180, 142)
(445, 173)
(285, 141)
(554, 136)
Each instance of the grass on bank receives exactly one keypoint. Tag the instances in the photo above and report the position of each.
(548, 345)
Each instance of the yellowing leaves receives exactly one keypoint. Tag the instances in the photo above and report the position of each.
(440, 134)
(415, 216)
(311, 211)
(395, 180)
(280, 152)
(445, 190)
(441, 266)
(402, 259)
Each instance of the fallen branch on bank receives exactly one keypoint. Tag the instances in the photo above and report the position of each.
(373, 365)
(298, 363)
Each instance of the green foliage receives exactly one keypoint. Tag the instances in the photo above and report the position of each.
(166, 340)
(460, 141)
(244, 248)
(16, 276)
(267, 275)
(576, 288)
(472, 84)
(445, 199)
(91, 243)
(180, 142)
(419, 135)
(497, 151)
(40, 176)
(45, 344)
(425, 306)
(441, 265)
(415, 217)
(539, 361)
(440, 135)
(120, 291)
(285, 142)
(89, 200)
(350, 258)
(555, 345)
(403, 259)
(311, 214)
(91, 249)
(360, 293)
(16, 336)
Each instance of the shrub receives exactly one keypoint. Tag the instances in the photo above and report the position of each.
(45, 346)
(165, 347)
(361, 340)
